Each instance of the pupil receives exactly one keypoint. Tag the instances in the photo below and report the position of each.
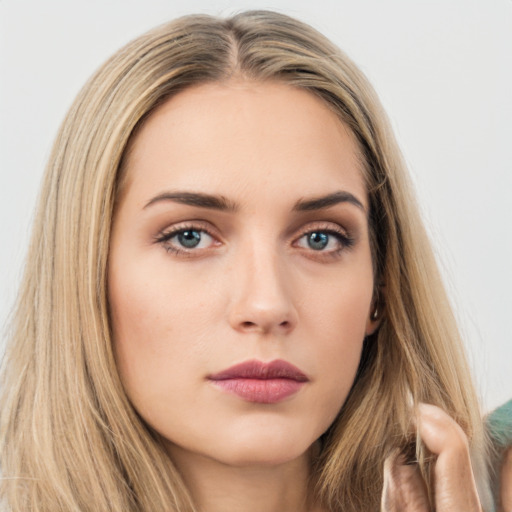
(318, 241)
(189, 239)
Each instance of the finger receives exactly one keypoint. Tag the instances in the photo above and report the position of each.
(454, 483)
(506, 482)
(404, 489)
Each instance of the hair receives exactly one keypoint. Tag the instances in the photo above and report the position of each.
(70, 439)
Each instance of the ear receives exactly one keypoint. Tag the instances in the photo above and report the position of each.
(372, 324)
(376, 313)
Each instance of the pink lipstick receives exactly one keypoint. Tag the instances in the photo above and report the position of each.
(265, 383)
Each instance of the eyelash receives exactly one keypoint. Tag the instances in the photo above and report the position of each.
(164, 237)
(345, 241)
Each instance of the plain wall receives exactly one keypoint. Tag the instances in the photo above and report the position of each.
(442, 68)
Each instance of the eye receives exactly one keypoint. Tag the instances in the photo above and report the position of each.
(318, 241)
(191, 239)
(186, 240)
(329, 241)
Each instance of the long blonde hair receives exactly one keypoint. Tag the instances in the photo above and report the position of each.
(70, 440)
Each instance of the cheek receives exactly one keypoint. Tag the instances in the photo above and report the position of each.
(339, 309)
(150, 302)
(339, 315)
(158, 333)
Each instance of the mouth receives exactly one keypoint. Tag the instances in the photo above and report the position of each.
(265, 383)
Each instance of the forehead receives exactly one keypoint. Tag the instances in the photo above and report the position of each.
(243, 137)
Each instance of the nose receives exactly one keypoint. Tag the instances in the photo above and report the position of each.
(261, 295)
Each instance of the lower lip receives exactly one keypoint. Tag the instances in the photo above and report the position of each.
(263, 391)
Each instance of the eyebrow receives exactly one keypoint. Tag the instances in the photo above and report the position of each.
(217, 202)
(196, 199)
(320, 203)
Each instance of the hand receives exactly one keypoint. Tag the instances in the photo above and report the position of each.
(454, 484)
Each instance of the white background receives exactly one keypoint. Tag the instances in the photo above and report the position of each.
(443, 69)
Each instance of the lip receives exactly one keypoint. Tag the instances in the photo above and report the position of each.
(256, 381)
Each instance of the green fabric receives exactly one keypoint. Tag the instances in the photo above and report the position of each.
(499, 423)
(499, 426)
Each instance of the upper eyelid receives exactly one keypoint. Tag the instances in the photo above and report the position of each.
(165, 236)
(341, 235)
(174, 232)
(207, 227)
(323, 226)
(179, 227)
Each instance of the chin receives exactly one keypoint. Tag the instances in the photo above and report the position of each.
(261, 451)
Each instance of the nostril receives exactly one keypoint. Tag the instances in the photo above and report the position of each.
(249, 326)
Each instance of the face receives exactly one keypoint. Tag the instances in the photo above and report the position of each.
(240, 274)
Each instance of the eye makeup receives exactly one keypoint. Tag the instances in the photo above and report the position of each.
(319, 240)
(184, 239)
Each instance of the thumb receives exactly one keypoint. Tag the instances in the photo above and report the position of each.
(454, 483)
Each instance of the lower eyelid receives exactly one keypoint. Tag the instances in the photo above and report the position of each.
(168, 239)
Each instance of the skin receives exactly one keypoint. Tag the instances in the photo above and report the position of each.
(253, 288)
(454, 483)
(506, 481)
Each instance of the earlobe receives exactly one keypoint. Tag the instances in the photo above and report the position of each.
(373, 322)
(376, 312)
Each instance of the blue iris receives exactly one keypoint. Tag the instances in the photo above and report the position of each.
(318, 241)
(189, 239)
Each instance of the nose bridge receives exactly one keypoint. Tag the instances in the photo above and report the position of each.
(261, 295)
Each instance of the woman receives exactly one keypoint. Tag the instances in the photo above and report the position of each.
(230, 301)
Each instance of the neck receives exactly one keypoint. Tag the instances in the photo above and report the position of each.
(219, 487)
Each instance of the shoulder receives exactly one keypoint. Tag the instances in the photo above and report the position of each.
(499, 425)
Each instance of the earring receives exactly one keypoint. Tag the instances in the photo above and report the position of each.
(376, 302)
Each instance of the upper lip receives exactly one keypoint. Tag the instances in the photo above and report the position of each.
(255, 369)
